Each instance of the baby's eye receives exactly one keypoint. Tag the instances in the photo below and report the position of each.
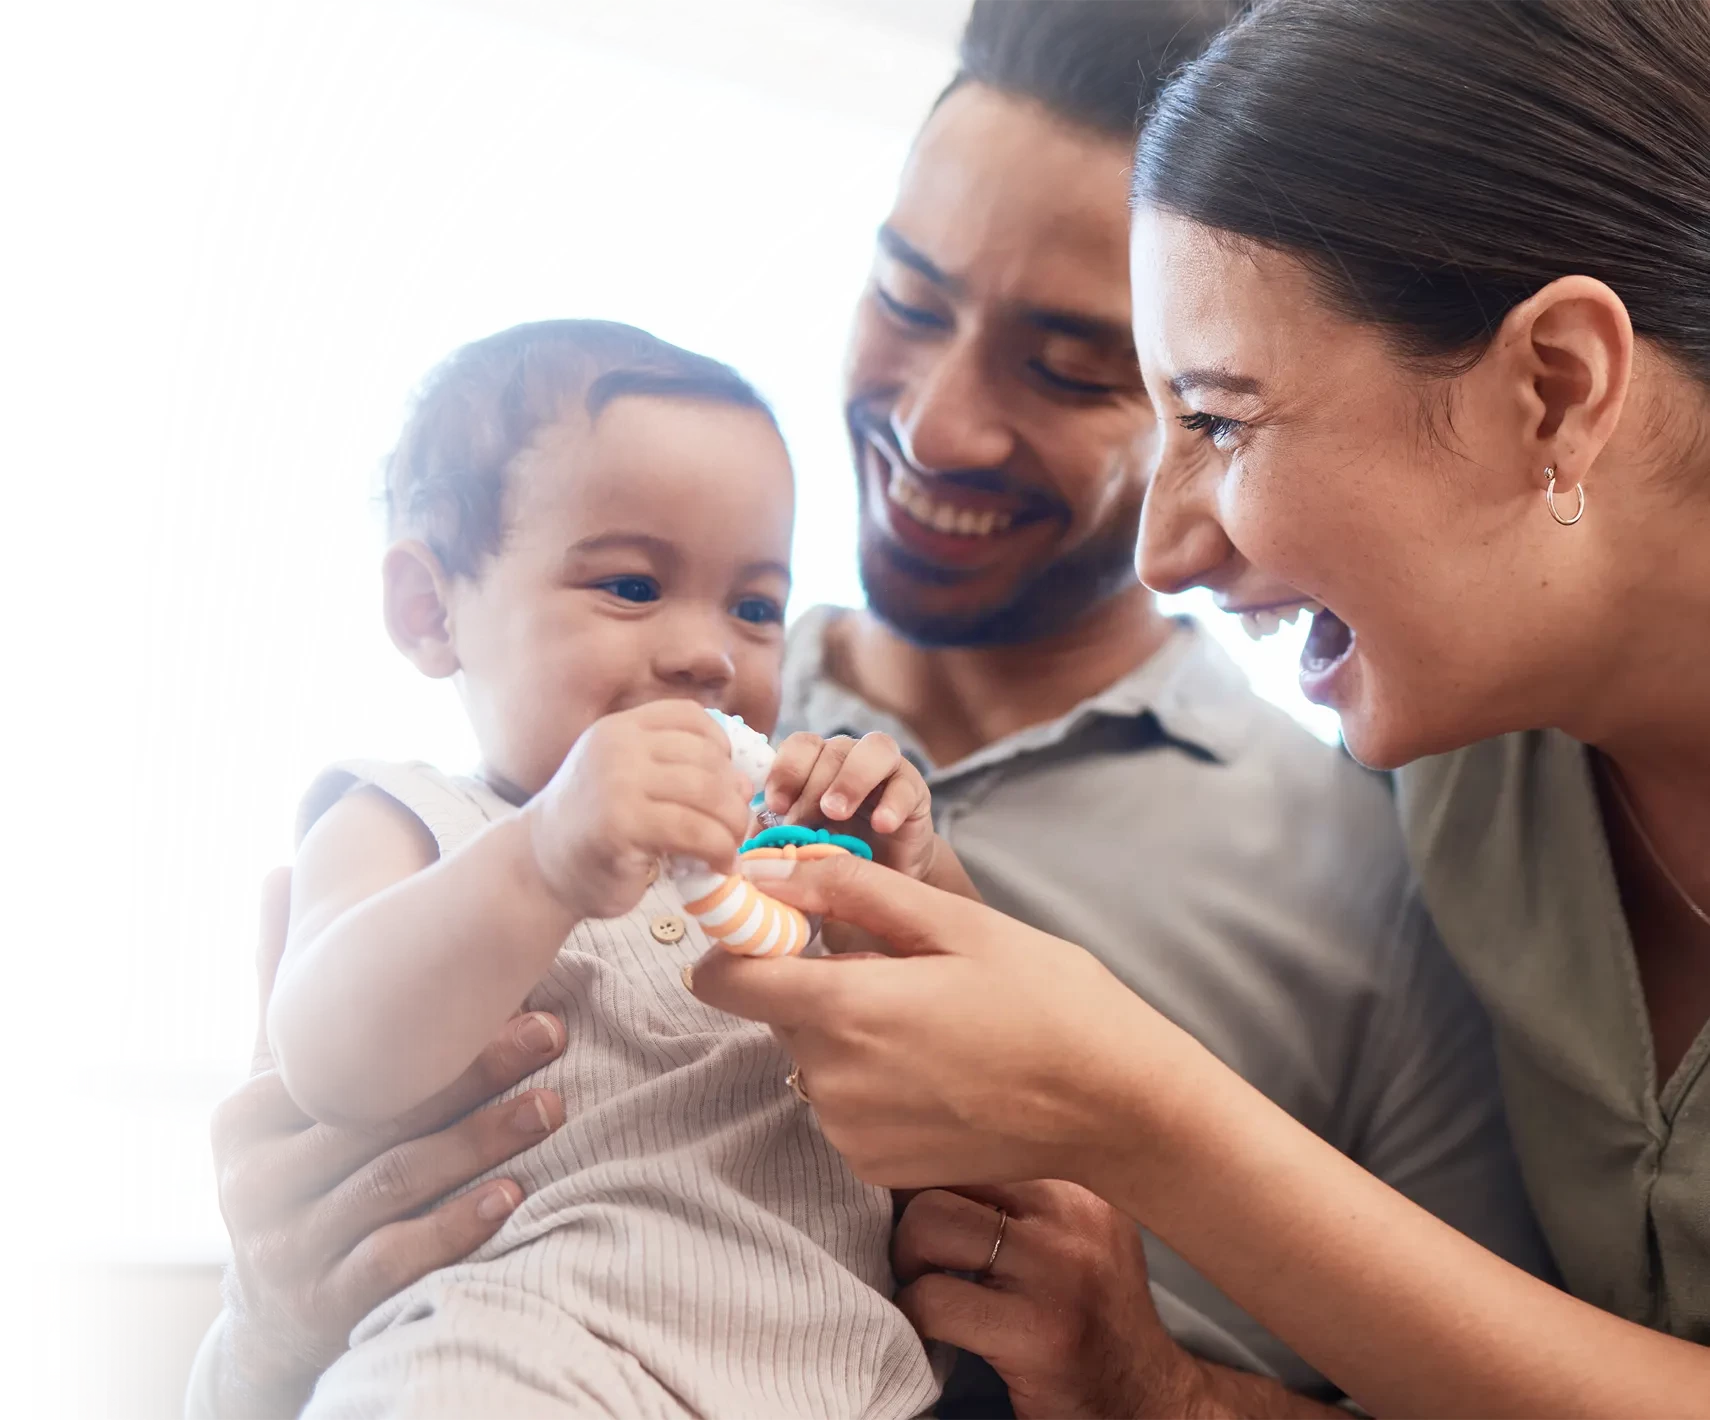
(761, 611)
(631, 589)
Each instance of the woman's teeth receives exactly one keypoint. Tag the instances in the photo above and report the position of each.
(910, 494)
(1260, 624)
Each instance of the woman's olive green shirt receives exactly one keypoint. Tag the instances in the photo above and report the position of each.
(1508, 843)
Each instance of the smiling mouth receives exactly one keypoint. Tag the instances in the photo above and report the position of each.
(948, 507)
(1264, 621)
(1329, 642)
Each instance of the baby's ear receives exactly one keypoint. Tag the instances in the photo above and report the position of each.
(417, 617)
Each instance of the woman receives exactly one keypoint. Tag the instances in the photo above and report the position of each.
(1422, 295)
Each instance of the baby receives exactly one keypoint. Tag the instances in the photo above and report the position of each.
(593, 532)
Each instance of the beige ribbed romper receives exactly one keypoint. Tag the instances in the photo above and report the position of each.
(689, 1243)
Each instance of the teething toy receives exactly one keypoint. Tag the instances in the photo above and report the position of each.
(731, 910)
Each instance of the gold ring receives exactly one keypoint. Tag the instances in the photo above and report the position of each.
(794, 1081)
(997, 1242)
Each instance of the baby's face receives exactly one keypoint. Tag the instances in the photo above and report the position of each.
(645, 557)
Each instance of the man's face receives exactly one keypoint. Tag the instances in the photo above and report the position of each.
(1001, 430)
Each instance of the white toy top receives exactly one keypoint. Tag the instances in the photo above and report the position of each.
(750, 751)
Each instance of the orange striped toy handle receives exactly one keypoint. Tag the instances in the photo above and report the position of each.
(744, 921)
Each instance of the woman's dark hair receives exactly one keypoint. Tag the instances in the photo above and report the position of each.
(486, 402)
(1435, 164)
(1095, 62)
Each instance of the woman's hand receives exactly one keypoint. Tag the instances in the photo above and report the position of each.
(327, 1223)
(986, 1052)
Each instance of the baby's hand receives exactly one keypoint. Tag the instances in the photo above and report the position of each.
(861, 785)
(637, 786)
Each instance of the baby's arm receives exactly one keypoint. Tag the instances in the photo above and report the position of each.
(400, 965)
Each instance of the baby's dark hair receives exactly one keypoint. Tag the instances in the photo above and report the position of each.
(486, 403)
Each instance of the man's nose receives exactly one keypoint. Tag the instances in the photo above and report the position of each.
(1182, 541)
(949, 416)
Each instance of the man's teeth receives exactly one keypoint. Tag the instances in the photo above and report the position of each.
(1260, 624)
(911, 495)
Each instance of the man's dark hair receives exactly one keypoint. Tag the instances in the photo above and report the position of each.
(488, 401)
(1098, 63)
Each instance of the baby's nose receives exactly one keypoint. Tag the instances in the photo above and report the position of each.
(697, 660)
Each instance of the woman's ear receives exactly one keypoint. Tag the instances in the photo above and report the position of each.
(418, 615)
(1572, 349)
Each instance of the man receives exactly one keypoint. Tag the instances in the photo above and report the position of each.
(1001, 438)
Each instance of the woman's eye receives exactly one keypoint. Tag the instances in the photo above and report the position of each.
(910, 315)
(759, 611)
(1068, 383)
(631, 589)
(1214, 426)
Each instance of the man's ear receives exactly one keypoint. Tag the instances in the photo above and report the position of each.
(1571, 361)
(418, 615)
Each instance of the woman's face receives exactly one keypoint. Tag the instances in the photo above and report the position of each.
(1299, 461)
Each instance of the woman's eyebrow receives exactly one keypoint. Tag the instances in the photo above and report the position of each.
(1213, 378)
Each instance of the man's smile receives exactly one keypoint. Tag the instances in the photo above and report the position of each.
(966, 521)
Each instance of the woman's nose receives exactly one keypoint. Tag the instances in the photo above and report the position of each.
(948, 415)
(1182, 541)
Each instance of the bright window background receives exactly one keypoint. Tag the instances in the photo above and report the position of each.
(246, 230)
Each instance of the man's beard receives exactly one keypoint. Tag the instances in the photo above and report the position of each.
(1041, 606)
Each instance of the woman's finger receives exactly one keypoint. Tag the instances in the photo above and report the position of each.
(911, 917)
(786, 993)
(942, 1231)
(411, 1175)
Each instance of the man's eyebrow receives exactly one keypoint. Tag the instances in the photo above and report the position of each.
(1081, 327)
(1223, 381)
(899, 250)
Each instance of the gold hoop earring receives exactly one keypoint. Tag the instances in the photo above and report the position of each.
(1550, 499)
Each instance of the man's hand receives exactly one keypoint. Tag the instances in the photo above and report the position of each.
(327, 1223)
(1065, 1314)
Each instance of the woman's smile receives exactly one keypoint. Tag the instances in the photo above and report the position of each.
(1329, 647)
(1329, 644)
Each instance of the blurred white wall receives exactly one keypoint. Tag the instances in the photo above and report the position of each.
(236, 233)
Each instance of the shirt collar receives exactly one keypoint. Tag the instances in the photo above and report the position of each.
(1197, 696)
